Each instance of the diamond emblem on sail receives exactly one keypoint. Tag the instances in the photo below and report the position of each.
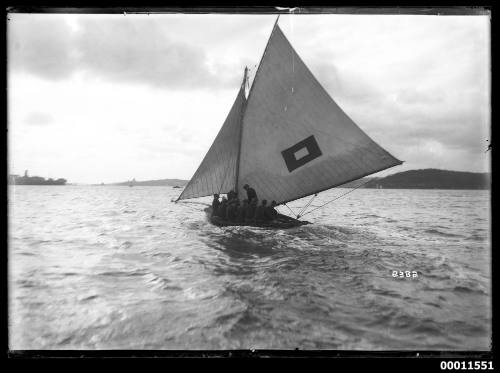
(301, 153)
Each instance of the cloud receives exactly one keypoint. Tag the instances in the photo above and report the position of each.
(140, 51)
(419, 86)
(134, 50)
(40, 46)
(410, 88)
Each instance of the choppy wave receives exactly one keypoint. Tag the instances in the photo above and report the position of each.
(439, 232)
(124, 268)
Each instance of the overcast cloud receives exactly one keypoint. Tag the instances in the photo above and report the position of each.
(112, 48)
(110, 97)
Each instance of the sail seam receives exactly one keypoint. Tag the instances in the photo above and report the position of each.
(262, 181)
(224, 176)
(220, 160)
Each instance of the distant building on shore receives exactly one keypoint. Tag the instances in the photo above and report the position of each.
(33, 180)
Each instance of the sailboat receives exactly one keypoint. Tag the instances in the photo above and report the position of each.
(288, 139)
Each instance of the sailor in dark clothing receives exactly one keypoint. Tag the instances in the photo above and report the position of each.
(271, 212)
(221, 211)
(231, 195)
(232, 209)
(237, 209)
(241, 212)
(260, 212)
(250, 213)
(215, 204)
(251, 194)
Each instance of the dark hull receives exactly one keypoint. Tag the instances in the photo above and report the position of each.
(282, 222)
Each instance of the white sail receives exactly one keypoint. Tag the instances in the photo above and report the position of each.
(296, 140)
(218, 170)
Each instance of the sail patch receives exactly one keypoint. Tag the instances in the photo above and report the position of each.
(301, 153)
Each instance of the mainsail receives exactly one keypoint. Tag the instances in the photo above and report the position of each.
(295, 140)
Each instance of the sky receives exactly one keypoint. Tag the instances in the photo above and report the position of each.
(108, 98)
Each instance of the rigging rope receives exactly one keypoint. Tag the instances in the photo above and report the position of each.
(381, 175)
(306, 206)
(336, 198)
(289, 209)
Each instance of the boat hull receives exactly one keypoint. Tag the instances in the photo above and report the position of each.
(282, 222)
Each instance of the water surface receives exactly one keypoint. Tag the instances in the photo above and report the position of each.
(108, 267)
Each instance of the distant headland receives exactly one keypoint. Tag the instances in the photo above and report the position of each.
(176, 183)
(431, 178)
(33, 180)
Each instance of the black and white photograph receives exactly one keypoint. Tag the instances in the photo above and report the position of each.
(228, 180)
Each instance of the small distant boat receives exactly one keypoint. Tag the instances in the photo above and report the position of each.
(176, 186)
(288, 139)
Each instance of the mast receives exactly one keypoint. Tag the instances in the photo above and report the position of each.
(245, 77)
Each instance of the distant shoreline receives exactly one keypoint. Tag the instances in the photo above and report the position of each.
(433, 179)
(33, 180)
(413, 179)
(168, 186)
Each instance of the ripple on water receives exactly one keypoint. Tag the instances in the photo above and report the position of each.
(170, 279)
(129, 273)
(438, 232)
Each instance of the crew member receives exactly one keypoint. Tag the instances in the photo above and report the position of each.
(232, 209)
(215, 204)
(260, 212)
(241, 212)
(251, 194)
(231, 195)
(221, 211)
(250, 213)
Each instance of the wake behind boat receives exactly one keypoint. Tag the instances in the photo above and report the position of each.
(288, 139)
